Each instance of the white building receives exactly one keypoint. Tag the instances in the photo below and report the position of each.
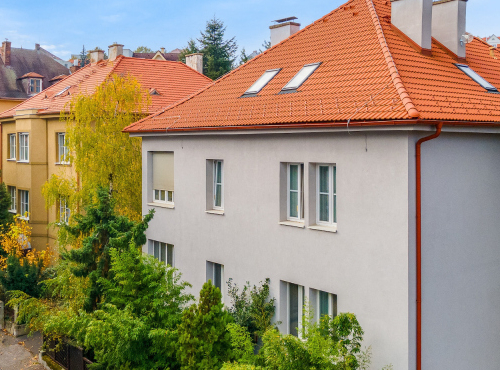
(493, 40)
(307, 165)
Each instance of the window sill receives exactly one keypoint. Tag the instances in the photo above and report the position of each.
(24, 218)
(162, 205)
(215, 212)
(23, 161)
(12, 159)
(14, 211)
(331, 228)
(62, 163)
(299, 224)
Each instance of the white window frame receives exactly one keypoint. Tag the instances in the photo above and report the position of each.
(13, 199)
(62, 151)
(317, 308)
(64, 211)
(23, 135)
(299, 191)
(32, 83)
(221, 207)
(157, 196)
(332, 193)
(12, 147)
(212, 277)
(300, 303)
(24, 204)
(160, 245)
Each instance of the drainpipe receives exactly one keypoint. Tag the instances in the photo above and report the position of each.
(439, 126)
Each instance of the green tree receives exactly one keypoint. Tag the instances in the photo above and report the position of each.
(101, 154)
(6, 217)
(243, 57)
(84, 57)
(190, 49)
(99, 230)
(204, 340)
(219, 54)
(143, 49)
(266, 45)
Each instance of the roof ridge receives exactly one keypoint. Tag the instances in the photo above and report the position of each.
(396, 78)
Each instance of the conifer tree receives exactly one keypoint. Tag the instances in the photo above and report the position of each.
(6, 217)
(190, 49)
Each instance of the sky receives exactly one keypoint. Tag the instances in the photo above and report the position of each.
(63, 27)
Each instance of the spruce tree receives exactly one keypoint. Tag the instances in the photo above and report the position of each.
(102, 230)
(190, 49)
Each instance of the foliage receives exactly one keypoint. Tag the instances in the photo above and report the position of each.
(238, 366)
(21, 268)
(241, 343)
(266, 44)
(252, 308)
(190, 49)
(143, 49)
(84, 57)
(204, 341)
(100, 229)
(6, 217)
(244, 57)
(101, 153)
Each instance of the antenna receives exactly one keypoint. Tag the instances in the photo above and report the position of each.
(466, 38)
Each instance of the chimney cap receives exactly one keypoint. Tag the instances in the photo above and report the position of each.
(115, 44)
(288, 19)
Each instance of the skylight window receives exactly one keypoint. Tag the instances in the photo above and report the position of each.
(262, 81)
(477, 78)
(62, 91)
(301, 77)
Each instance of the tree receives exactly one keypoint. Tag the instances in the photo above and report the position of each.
(218, 54)
(243, 57)
(101, 153)
(190, 49)
(204, 341)
(143, 49)
(99, 231)
(84, 57)
(266, 45)
(6, 217)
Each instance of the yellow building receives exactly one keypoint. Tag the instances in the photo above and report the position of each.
(33, 136)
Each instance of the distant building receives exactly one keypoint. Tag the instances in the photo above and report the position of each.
(492, 40)
(26, 72)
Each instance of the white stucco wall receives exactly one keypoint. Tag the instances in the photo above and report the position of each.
(365, 263)
(461, 252)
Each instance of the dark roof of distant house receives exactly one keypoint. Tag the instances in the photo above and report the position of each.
(168, 56)
(22, 62)
(57, 78)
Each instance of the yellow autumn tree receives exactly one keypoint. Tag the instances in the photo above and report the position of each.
(100, 152)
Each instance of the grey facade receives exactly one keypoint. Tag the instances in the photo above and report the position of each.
(369, 262)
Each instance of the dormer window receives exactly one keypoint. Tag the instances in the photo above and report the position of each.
(477, 78)
(300, 77)
(35, 86)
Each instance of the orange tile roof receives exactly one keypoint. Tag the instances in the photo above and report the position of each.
(172, 80)
(369, 72)
(31, 74)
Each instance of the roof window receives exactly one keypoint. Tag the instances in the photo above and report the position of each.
(261, 82)
(477, 78)
(300, 77)
(62, 91)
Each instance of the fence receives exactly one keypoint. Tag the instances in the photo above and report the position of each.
(66, 355)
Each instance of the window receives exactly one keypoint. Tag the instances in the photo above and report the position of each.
(24, 201)
(293, 304)
(326, 194)
(215, 273)
(13, 199)
(64, 211)
(262, 82)
(323, 303)
(477, 78)
(24, 147)
(62, 149)
(218, 185)
(12, 146)
(161, 251)
(300, 77)
(163, 177)
(295, 191)
(62, 91)
(35, 86)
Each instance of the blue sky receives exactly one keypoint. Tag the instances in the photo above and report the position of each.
(64, 26)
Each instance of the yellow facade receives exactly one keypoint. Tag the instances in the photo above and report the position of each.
(6, 104)
(31, 175)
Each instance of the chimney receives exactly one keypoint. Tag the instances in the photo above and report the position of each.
(74, 68)
(114, 51)
(195, 61)
(96, 56)
(283, 29)
(448, 24)
(37, 46)
(5, 53)
(414, 19)
(162, 50)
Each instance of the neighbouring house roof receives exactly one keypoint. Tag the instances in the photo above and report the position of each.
(168, 56)
(60, 77)
(22, 62)
(31, 75)
(172, 81)
(369, 72)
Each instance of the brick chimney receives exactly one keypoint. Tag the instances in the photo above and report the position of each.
(37, 46)
(283, 29)
(448, 24)
(5, 53)
(74, 68)
(195, 61)
(114, 51)
(96, 56)
(414, 19)
(162, 50)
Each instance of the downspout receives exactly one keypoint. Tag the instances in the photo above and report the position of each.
(439, 126)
